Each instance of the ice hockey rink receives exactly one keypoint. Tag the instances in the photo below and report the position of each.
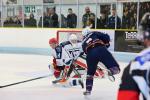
(20, 67)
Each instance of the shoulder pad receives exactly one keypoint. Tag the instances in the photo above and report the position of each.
(64, 43)
(58, 49)
(97, 32)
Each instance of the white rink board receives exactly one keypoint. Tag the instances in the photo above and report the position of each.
(37, 37)
(26, 37)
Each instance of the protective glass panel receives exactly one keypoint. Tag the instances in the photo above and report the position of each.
(51, 15)
(87, 13)
(32, 15)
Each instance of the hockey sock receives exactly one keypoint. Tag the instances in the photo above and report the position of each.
(89, 83)
(73, 82)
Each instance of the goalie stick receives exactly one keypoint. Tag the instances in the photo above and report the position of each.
(24, 81)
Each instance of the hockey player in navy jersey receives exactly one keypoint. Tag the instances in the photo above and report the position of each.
(136, 76)
(95, 46)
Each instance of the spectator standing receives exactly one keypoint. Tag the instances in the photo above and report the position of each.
(125, 20)
(133, 22)
(102, 21)
(71, 19)
(63, 21)
(31, 21)
(112, 20)
(53, 18)
(87, 16)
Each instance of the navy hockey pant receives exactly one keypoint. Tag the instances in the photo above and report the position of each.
(95, 55)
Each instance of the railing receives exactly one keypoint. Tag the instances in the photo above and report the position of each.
(103, 14)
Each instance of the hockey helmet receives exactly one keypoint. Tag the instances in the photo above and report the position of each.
(73, 38)
(53, 40)
(144, 28)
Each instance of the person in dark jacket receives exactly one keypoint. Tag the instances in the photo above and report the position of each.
(31, 21)
(71, 19)
(88, 15)
(112, 20)
(53, 18)
(102, 21)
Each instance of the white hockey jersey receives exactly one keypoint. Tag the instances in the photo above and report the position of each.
(66, 52)
(77, 49)
(140, 70)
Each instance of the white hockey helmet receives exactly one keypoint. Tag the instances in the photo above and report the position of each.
(144, 28)
(73, 38)
(86, 31)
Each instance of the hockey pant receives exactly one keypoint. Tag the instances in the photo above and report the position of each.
(95, 55)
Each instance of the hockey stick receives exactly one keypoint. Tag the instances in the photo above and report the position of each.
(24, 81)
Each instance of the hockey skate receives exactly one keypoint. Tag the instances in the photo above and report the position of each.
(106, 73)
(56, 81)
(86, 93)
(110, 76)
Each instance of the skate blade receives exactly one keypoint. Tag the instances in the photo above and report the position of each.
(87, 97)
(59, 85)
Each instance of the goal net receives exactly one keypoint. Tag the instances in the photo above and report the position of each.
(63, 35)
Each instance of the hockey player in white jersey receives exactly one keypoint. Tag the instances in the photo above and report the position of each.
(63, 58)
(77, 46)
(136, 76)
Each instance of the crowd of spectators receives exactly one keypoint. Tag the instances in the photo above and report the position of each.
(50, 19)
(144, 7)
(104, 21)
(108, 18)
(30, 22)
(13, 21)
(129, 18)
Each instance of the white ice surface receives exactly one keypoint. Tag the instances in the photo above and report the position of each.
(18, 67)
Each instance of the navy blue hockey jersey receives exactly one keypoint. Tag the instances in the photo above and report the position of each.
(94, 39)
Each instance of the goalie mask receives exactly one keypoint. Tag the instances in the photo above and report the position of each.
(73, 39)
(144, 28)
